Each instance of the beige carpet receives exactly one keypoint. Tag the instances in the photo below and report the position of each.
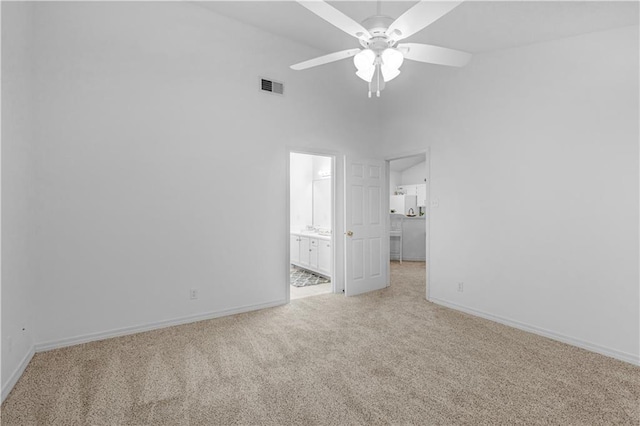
(385, 357)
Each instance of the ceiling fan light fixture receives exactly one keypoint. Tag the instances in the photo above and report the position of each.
(389, 73)
(377, 82)
(364, 60)
(392, 58)
(366, 74)
(378, 61)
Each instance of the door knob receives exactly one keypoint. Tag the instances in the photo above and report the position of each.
(350, 233)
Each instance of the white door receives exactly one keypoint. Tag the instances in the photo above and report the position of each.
(365, 240)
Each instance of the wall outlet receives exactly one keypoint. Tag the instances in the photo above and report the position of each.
(193, 293)
(460, 287)
(10, 343)
(435, 203)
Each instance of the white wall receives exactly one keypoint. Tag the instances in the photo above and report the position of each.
(395, 179)
(534, 160)
(144, 111)
(141, 115)
(18, 192)
(301, 191)
(414, 175)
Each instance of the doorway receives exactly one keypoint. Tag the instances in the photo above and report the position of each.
(311, 225)
(408, 192)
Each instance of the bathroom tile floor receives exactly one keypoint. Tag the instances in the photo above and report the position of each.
(312, 290)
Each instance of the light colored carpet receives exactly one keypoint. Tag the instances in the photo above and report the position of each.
(385, 357)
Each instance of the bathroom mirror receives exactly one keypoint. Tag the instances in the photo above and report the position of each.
(322, 203)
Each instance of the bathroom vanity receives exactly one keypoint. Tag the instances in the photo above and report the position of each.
(311, 251)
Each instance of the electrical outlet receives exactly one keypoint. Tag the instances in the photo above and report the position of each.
(435, 203)
(10, 343)
(193, 293)
(460, 287)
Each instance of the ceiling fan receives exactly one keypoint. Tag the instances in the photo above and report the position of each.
(380, 58)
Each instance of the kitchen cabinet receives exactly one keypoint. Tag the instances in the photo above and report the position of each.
(408, 189)
(311, 252)
(419, 191)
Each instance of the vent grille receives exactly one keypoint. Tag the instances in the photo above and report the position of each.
(271, 86)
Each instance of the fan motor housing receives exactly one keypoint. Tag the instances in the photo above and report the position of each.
(377, 24)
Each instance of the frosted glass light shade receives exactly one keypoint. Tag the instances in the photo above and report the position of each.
(364, 60)
(366, 74)
(392, 58)
(389, 73)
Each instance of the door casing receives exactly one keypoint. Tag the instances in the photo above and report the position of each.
(337, 281)
(428, 211)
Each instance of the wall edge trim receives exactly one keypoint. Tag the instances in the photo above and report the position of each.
(17, 373)
(125, 331)
(592, 347)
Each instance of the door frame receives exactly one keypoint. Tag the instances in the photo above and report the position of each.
(427, 154)
(337, 282)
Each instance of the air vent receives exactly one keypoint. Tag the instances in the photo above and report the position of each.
(271, 86)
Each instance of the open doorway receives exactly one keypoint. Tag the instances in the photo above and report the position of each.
(408, 219)
(311, 221)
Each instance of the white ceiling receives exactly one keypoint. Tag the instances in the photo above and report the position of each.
(474, 26)
(403, 164)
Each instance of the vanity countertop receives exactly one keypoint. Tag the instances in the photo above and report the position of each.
(311, 234)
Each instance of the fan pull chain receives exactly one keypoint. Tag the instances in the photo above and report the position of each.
(378, 77)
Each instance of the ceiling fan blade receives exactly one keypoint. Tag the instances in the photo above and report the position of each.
(321, 60)
(337, 18)
(434, 54)
(418, 17)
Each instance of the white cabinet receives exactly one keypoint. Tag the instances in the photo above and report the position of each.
(294, 243)
(299, 247)
(304, 251)
(409, 189)
(324, 257)
(419, 191)
(311, 253)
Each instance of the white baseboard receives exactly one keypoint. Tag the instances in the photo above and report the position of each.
(613, 353)
(92, 337)
(6, 388)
